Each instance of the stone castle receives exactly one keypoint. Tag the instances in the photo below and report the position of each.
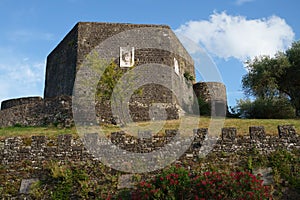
(66, 59)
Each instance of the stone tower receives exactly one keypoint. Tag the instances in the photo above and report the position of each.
(64, 61)
(213, 93)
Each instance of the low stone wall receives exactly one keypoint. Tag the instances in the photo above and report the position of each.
(58, 111)
(20, 101)
(38, 113)
(65, 147)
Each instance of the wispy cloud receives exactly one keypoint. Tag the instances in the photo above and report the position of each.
(229, 36)
(241, 2)
(28, 35)
(20, 76)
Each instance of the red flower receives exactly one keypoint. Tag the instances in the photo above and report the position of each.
(206, 173)
(142, 184)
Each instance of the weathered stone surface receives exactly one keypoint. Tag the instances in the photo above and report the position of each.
(286, 131)
(38, 113)
(200, 133)
(257, 132)
(144, 134)
(215, 94)
(26, 184)
(19, 101)
(41, 148)
(266, 175)
(229, 134)
(64, 61)
(36, 151)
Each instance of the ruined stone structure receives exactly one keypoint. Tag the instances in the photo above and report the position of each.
(70, 55)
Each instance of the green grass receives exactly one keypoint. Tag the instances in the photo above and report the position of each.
(270, 125)
(242, 126)
(30, 131)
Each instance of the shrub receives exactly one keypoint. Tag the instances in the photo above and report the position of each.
(188, 76)
(286, 165)
(239, 185)
(275, 108)
(204, 107)
(177, 183)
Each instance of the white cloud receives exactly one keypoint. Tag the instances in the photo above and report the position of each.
(241, 2)
(229, 36)
(20, 77)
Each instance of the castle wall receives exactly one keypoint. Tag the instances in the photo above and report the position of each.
(61, 66)
(65, 60)
(65, 147)
(58, 111)
(19, 101)
(38, 113)
(91, 34)
(27, 160)
(156, 102)
(210, 91)
(215, 94)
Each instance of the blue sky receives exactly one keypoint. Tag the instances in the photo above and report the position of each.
(230, 30)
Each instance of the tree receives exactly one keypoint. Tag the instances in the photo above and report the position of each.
(290, 81)
(276, 77)
(276, 108)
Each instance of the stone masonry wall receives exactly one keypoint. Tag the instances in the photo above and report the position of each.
(41, 148)
(58, 111)
(61, 66)
(19, 101)
(209, 91)
(38, 113)
(215, 94)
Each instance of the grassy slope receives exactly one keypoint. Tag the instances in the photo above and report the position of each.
(242, 126)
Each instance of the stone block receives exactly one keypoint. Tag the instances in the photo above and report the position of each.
(257, 132)
(200, 133)
(286, 131)
(229, 134)
(266, 175)
(26, 184)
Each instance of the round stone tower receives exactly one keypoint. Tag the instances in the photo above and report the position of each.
(213, 93)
